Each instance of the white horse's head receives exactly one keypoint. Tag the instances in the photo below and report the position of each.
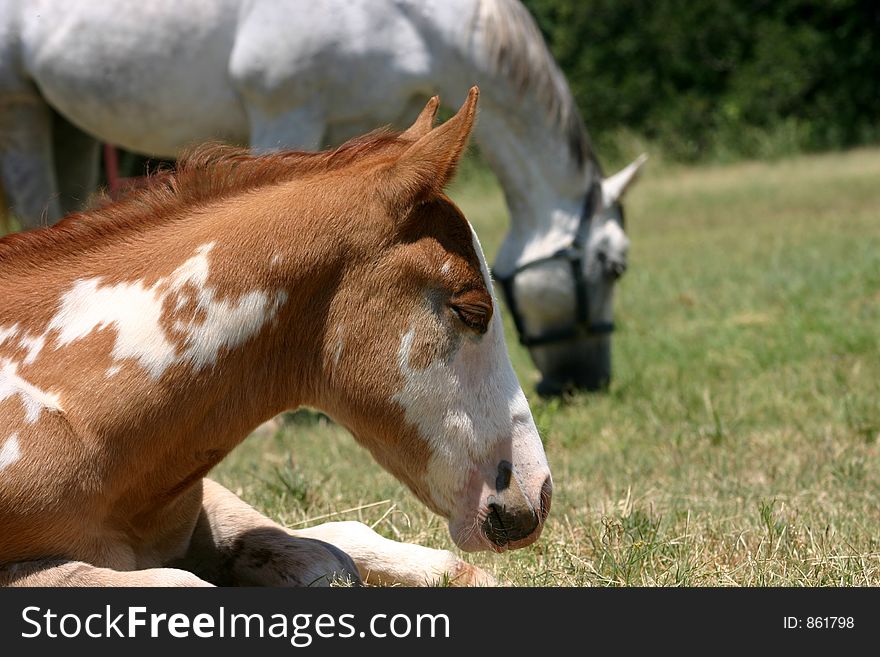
(563, 301)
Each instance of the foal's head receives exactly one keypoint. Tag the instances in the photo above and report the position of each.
(413, 356)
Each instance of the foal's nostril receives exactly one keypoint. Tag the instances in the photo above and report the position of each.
(504, 525)
(546, 497)
(514, 515)
(505, 471)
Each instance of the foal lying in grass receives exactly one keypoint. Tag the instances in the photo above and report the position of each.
(142, 341)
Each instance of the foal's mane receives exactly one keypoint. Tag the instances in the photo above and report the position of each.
(204, 174)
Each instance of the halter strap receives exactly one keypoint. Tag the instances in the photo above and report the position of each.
(573, 253)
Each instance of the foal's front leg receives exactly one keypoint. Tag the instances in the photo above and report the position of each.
(235, 544)
(385, 562)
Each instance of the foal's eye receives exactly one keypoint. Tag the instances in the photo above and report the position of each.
(472, 319)
(474, 313)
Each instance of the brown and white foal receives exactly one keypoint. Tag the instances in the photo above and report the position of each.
(142, 341)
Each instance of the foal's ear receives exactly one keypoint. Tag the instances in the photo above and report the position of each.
(424, 122)
(427, 166)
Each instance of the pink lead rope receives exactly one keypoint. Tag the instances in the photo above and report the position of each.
(111, 166)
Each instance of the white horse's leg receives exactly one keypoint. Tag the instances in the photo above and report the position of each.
(5, 218)
(77, 163)
(77, 573)
(26, 163)
(300, 128)
(385, 562)
(235, 545)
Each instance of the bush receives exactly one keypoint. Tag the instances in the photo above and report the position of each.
(710, 79)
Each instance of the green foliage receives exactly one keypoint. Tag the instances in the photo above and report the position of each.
(721, 79)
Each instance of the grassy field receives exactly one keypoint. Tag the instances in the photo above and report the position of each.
(738, 444)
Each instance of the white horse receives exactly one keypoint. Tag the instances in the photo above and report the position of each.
(155, 76)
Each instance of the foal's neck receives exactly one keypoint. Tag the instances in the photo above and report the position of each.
(238, 310)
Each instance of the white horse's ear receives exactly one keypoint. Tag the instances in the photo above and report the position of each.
(614, 187)
(428, 165)
(424, 122)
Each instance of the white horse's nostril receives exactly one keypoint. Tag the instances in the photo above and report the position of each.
(616, 268)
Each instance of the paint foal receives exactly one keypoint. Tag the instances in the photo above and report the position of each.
(140, 342)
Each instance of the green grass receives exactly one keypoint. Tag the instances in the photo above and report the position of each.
(738, 444)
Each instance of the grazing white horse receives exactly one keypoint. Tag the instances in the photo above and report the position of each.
(156, 76)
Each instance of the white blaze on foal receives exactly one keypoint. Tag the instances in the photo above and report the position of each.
(473, 414)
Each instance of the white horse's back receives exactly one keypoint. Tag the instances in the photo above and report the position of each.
(154, 77)
(152, 90)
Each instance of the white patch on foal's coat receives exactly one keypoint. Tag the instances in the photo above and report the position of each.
(135, 312)
(33, 345)
(466, 407)
(10, 452)
(32, 398)
(8, 332)
(340, 344)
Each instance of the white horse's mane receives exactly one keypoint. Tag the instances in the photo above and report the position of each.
(515, 48)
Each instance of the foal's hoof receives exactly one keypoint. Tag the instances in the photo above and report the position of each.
(345, 572)
(469, 575)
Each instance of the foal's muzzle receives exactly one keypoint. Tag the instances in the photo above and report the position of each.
(514, 520)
